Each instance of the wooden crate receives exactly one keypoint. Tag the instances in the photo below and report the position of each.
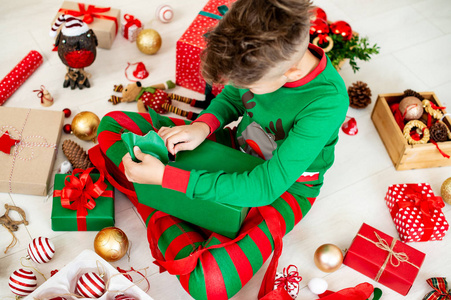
(403, 155)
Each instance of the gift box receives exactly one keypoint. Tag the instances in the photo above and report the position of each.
(104, 21)
(417, 212)
(28, 143)
(220, 218)
(403, 155)
(83, 201)
(63, 283)
(192, 43)
(384, 259)
(131, 27)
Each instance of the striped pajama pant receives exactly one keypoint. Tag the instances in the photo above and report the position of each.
(220, 271)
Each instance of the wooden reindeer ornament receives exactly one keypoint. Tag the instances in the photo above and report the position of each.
(156, 98)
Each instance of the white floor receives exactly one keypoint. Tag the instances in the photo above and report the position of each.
(415, 40)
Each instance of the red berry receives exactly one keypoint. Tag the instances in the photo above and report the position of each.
(53, 272)
(67, 112)
(67, 128)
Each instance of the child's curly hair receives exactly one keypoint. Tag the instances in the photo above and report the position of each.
(254, 36)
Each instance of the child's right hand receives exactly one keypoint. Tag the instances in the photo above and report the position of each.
(184, 137)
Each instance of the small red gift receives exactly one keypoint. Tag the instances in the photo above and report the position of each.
(191, 44)
(417, 212)
(384, 259)
(131, 27)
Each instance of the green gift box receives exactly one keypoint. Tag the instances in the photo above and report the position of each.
(220, 218)
(90, 198)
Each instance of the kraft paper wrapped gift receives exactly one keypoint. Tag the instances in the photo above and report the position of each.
(192, 43)
(104, 21)
(27, 168)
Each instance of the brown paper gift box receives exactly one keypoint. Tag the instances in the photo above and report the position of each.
(27, 169)
(105, 24)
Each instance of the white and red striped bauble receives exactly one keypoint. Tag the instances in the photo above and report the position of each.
(58, 298)
(41, 250)
(164, 13)
(90, 285)
(23, 282)
(123, 297)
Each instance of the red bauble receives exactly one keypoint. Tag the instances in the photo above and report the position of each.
(67, 112)
(319, 26)
(67, 128)
(318, 13)
(342, 28)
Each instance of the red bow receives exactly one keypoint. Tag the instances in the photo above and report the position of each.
(292, 277)
(90, 13)
(426, 205)
(79, 194)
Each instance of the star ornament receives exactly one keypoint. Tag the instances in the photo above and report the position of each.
(6, 142)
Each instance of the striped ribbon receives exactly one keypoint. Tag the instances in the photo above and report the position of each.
(440, 292)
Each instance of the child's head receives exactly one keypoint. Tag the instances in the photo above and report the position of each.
(257, 42)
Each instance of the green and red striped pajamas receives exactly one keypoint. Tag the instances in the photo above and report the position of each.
(220, 272)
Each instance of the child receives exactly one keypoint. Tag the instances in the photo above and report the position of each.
(292, 103)
(291, 100)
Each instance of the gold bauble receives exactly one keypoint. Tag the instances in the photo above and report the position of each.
(111, 243)
(148, 41)
(84, 126)
(328, 258)
(446, 190)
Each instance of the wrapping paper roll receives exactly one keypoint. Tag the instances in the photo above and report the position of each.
(19, 74)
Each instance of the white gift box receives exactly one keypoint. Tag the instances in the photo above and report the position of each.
(65, 280)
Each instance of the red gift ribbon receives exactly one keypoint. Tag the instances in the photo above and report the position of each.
(79, 194)
(292, 277)
(425, 204)
(131, 20)
(90, 13)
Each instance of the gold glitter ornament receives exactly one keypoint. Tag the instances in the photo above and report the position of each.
(328, 258)
(84, 126)
(148, 41)
(111, 243)
(446, 191)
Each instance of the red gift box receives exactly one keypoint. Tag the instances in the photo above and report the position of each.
(384, 259)
(417, 213)
(191, 44)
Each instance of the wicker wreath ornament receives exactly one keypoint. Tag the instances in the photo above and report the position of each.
(420, 125)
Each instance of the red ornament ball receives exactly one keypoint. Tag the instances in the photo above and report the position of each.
(41, 250)
(342, 28)
(318, 13)
(67, 128)
(319, 26)
(67, 112)
(123, 297)
(90, 285)
(23, 282)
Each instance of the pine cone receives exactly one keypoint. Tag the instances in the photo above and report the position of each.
(439, 132)
(359, 95)
(410, 92)
(76, 155)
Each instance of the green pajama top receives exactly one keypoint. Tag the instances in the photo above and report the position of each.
(294, 129)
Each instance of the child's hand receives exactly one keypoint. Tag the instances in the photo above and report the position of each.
(185, 137)
(149, 171)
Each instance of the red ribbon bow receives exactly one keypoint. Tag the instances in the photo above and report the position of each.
(289, 276)
(79, 194)
(425, 204)
(131, 20)
(40, 93)
(90, 13)
(440, 292)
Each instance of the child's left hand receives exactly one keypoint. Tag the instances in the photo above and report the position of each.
(149, 171)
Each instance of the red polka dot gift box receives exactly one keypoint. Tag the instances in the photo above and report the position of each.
(416, 212)
(191, 44)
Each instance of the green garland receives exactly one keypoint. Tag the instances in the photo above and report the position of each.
(355, 48)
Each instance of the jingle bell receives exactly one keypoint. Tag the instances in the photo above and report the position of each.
(140, 71)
